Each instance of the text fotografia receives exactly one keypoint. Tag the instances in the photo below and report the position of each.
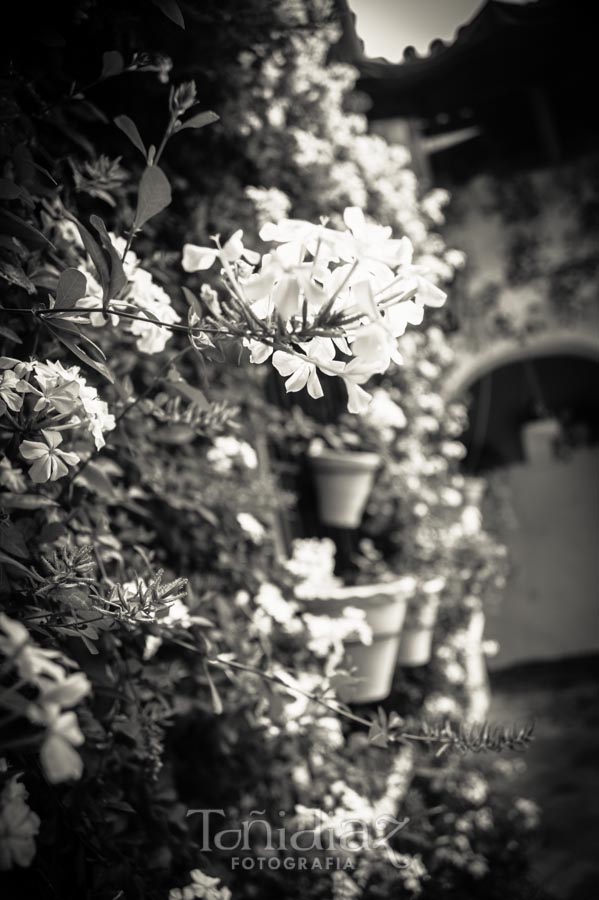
(343, 838)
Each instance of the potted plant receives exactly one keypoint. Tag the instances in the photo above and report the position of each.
(344, 480)
(416, 641)
(380, 602)
(345, 457)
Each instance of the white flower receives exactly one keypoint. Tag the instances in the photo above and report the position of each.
(259, 352)
(313, 560)
(454, 673)
(18, 826)
(150, 297)
(226, 449)
(528, 810)
(440, 705)
(271, 204)
(285, 280)
(12, 389)
(202, 887)
(196, 259)
(383, 412)
(62, 692)
(451, 497)
(251, 526)
(328, 633)
(32, 662)
(474, 788)
(60, 760)
(66, 390)
(98, 417)
(10, 478)
(323, 635)
(144, 295)
(372, 244)
(302, 371)
(270, 599)
(48, 463)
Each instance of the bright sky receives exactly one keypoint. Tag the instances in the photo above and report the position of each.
(387, 26)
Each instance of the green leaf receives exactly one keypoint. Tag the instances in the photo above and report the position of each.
(191, 393)
(10, 335)
(154, 195)
(118, 279)
(79, 352)
(11, 224)
(9, 190)
(88, 112)
(12, 541)
(112, 64)
(174, 434)
(15, 275)
(217, 703)
(199, 120)
(377, 736)
(96, 481)
(14, 245)
(9, 561)
(95, 252)
(129, 128)
(26, 501)
(72, 286)
(52, 532)
(171, 10)
(193, 301)
(74, 328)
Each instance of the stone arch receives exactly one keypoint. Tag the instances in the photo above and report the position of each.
(558, 342)
(549, 607)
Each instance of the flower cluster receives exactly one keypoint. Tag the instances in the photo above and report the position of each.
(19, 825)
(57, 691)
(324, 300)
(53, 399)
(202, 886)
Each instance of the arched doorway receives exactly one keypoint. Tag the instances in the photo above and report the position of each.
(550, 608)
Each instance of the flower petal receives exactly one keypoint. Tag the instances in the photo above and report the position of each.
(285, 363)
(298, 380)
(60, 760)
(197, 258)
(354, 218)
(314, 386)
(33, 450)
(358, 399)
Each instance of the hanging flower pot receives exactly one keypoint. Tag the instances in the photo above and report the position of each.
(416, 642)
(344, 480)
(384, 606)
(538, 439)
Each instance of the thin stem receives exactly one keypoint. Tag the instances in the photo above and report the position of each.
(332, 706)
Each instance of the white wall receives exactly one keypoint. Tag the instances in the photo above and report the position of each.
(551, 604)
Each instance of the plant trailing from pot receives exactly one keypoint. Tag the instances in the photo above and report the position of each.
(345, 457)
(368, 616)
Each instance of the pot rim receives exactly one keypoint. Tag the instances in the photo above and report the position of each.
(360, 459)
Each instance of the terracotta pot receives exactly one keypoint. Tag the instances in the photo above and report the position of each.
(385, 605)
(344, 481)
(416, 641)
(538, 439)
